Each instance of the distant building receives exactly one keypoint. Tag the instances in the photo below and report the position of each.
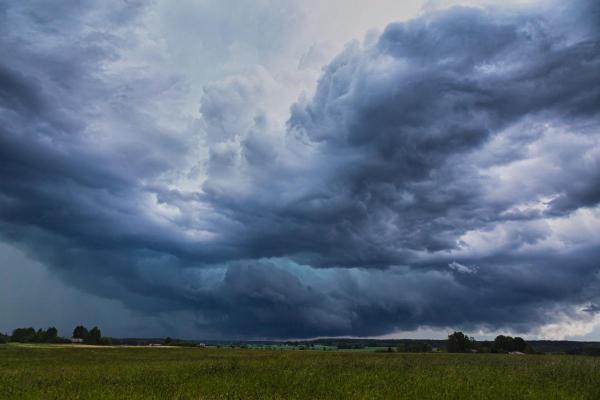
(201, 345)
(76, 340)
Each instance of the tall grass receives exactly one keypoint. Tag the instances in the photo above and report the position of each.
(189, 373)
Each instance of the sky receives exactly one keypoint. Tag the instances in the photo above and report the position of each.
(296, 169)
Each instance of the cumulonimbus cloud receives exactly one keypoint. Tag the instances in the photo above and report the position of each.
(462, 138)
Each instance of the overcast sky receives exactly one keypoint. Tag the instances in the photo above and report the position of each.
(295, 169)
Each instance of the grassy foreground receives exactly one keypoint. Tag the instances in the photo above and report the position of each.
(189, 373)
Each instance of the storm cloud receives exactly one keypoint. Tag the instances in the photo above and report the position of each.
(444, 173)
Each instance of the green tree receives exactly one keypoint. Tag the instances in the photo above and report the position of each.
(80, 332)
(503, 344)
(40, 335)
(94, 336)
(419, 347)
(458, 342)
(506, 344)
(51, 334)
(23, 335)
(522, 346)
(46, 336)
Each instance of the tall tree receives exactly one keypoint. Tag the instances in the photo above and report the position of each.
(94, 335)
(458, 342)
(23, 335)
(51, 334)
(80, 332)
(506, 344)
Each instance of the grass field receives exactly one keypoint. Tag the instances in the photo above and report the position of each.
(49, 372)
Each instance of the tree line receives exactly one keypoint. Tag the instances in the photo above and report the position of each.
(50, 335)
(30, 335)
(92, 336)
(458, 342)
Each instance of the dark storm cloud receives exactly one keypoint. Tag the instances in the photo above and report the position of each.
(396, 127)
(438, 177)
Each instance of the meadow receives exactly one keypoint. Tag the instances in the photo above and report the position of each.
(55, 372)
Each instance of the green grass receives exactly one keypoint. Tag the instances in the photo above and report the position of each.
(47, 372)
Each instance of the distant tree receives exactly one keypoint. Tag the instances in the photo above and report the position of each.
(40, 336)
(26, 335)
(105, 341)
(45, 336)
(506, 344)
(585, 350)
(94, 335)
(484, 347)
(503, 344)
(418, 347)
(522, 346)
(80, 332)
(3, 338)
(52, 332)
(23, 335)
(167, 341)
(458, 342)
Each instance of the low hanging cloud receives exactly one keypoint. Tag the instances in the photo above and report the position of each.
(444, 174)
